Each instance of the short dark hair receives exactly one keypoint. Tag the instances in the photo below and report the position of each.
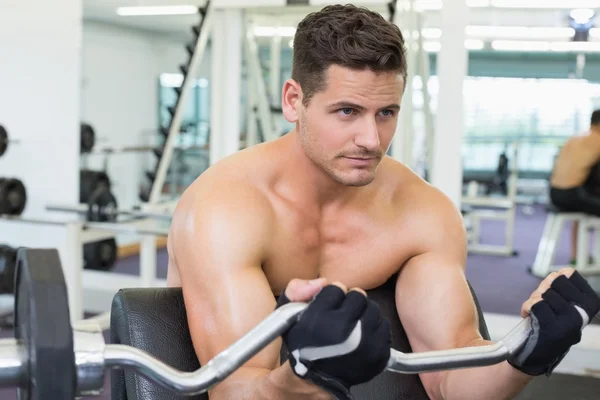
(348, 36)
(595, 120)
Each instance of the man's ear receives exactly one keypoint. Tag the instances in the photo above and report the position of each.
(291, 100)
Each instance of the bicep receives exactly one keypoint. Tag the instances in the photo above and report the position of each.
(222, 307)
(225, 291)
(433, 298)
(435, 304)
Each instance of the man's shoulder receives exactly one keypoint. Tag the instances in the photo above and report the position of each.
(405, 183)
(227, 190)
(415, 197)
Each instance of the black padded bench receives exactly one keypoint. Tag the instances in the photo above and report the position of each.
(154, 320)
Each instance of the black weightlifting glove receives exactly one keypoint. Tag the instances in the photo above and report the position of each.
(340, 340)
(567, 307)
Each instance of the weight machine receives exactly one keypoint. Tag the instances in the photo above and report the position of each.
(500, 208)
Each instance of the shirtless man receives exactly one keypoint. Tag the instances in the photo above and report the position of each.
(321, 210)
(575, 161)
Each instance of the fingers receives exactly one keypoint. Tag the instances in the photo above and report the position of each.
(354, 305)
(528, 305)
(543, 311)
(372, 316)
(337, 296)
(580, 282)
(304, 290)
(549, 280)
(536, 296)
(557, 302)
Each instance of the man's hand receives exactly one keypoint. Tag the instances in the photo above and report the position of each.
(560, 308)
(340, 340)
(302, 290)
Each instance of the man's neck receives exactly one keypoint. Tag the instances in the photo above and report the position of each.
(308, 184)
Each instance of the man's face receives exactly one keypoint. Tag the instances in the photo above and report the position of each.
(347, 129)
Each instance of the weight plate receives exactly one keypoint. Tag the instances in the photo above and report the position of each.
(87, 139)
(89, 181)
(3, 140)
(43, 326)
(17, 196)
(100, 255)
(8, 260)
(13, 196)
(2, 206)
(102, 206)
(144, 194)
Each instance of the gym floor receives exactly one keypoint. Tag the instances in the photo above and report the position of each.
(501, 284)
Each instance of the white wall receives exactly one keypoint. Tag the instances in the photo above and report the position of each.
(40, 85)
(120, 97)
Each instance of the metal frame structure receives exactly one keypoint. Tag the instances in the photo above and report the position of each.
(424, 72)
(495, 209)
(403, 147)
(258, 103)
(186, 86)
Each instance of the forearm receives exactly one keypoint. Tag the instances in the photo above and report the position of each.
(264, 384)
(495, 382)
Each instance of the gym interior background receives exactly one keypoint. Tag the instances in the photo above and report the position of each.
(168, 94)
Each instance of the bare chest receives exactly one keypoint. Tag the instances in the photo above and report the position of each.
(359, 252)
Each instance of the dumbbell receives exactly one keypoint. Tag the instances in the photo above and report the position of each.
(13, 196)
(50, 359)
(87, 139)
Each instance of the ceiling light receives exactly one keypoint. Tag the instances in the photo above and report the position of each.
(582, 15)
(431, 33)
(508, 32)
(434, 46)
(474, 44)
(575, 46)
(176, 80)
(157, 10)
(272, 31)
(515, 45)
(427, 5)
(545, 3)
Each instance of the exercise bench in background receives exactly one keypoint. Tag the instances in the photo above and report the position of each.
(544, 262)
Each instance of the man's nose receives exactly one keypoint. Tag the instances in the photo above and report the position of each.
(368, 137)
